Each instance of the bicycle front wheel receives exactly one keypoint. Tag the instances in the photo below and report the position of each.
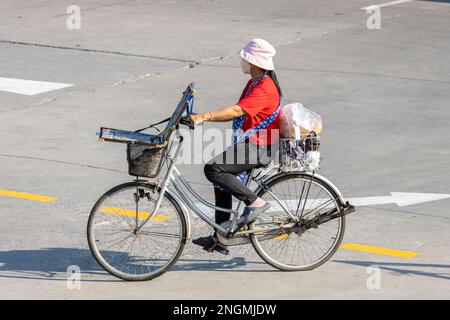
(125, 242)
(307, 198)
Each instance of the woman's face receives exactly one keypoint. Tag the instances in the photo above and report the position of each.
(245, 66)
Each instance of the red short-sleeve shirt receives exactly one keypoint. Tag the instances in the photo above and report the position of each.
(262, 100)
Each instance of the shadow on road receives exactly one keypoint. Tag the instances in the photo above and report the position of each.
(52, 263)
(218, 265)
(400, 268)
(46, 263)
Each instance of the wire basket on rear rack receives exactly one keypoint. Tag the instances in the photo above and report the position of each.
(300, 155)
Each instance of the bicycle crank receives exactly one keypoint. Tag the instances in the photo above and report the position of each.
(236, 240)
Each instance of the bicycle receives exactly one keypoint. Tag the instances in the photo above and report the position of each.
(137, 230)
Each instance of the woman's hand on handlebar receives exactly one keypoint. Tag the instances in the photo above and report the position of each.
(219, 115)
(196, 119)
(193, 120)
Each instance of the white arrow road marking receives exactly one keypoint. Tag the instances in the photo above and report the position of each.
(29, 87)
(402, 199)
(387, 4)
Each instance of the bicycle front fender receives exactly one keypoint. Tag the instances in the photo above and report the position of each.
(185, 210)
(183, 207)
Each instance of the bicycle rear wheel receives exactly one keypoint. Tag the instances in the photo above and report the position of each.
(125, 249)
(308, 198)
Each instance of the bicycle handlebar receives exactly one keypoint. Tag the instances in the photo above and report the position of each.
(185, 121)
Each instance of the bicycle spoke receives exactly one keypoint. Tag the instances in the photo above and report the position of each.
(124, 247)
(306, 199)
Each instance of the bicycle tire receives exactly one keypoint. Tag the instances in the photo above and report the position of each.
(272, 182)
(91, 230)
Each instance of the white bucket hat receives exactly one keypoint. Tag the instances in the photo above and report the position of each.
(259, 52)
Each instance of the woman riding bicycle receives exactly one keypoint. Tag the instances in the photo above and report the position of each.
(255, 138)
(137, 230)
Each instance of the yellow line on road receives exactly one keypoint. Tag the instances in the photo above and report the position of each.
(282, 236)
(380, 250)
(24, 195)
(132, 213)
(371, 249)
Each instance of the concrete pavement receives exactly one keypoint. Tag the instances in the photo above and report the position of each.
(383, 95)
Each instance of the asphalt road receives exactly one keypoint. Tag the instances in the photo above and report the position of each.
(383, 94)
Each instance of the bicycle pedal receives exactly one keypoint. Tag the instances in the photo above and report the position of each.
(212, 249)
(208, 249)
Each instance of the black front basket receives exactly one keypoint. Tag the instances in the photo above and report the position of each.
(144, 161)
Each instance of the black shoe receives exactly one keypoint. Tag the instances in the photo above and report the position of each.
(250, 214)
(210, 244)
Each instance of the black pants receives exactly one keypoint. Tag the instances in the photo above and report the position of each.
(221, 169)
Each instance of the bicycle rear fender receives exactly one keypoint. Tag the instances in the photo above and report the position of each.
(318, 176)
(331, 184)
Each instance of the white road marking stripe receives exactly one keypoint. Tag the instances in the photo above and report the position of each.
(387, 4)
(402, 199)
(29, 87)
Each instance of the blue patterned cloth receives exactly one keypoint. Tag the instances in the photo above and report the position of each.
(239, 135)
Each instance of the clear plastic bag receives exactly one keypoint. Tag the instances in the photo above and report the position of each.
(292, 155)
(296, 120)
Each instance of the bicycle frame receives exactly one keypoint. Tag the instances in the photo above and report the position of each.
(184, 190)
